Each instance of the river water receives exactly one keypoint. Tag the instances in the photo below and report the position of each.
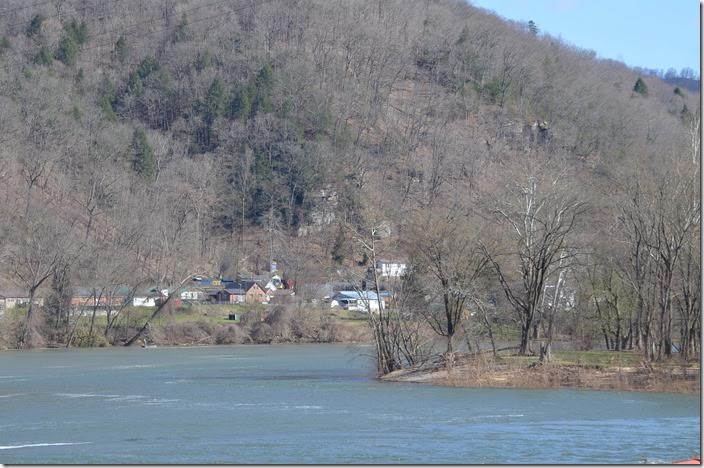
(310, 404)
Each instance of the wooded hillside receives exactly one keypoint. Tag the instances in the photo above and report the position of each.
(149, 140)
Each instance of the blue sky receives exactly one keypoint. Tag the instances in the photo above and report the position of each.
(645, 33)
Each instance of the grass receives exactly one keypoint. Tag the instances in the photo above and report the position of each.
(599, 358)
(348, 315)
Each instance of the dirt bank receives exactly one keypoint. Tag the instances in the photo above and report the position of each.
(520, 373)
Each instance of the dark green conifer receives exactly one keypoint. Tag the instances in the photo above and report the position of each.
(142, 154)
(640, 87)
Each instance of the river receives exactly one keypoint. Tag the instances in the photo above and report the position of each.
(310, 404)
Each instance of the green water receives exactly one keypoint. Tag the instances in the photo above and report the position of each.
(310, 404)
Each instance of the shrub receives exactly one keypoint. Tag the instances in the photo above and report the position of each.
(262, 333)
(231, 334)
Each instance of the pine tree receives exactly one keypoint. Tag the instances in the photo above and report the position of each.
(78, 32)
(43, 57)
(142, 154)
(337, 253)
(532, 27)
(239, 104)
(640, 87)
(121, 49)
(4, 45)
(181, 30)
(214, 101)
(134, 84)
(106, 98)
(203, 60)
(147, 66)
(67, 50)
(264, 78)
(35, 25)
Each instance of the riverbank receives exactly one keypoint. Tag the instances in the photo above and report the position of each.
(207, 325)
(624, 372)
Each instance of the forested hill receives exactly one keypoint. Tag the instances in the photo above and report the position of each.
(154, 139)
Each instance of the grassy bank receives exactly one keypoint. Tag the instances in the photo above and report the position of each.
(593, 370)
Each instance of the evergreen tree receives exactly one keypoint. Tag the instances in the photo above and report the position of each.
(640, 87)
(147, 66)
(264, 78)
(4, 45)
(181, 30)
(337, 253)
(43, 57)
(121, 49)
(134, 84)
(214, 101)
(261, 92)
(76, 113)
(78, 32)
(106, 98)
(532, 27)
(239, 104)
(203, 60)
(35, 25)
(67, 50)
(142, 154)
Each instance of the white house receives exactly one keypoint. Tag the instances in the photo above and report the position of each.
(192, 294)
(390, 269)
(364, 301)
(11, 298)
(147, 297)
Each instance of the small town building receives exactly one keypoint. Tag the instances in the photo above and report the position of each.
(148, 297)
(255, 294)
(192, 294)
(15, 297)
(363, 301)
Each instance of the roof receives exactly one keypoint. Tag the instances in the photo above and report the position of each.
(237, 291)
(13, 292)
(151, 291)
(365, 295)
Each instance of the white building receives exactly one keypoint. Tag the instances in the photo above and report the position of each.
(364, 301)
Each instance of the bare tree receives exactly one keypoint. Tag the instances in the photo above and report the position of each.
(42, 244)
(540, 216)
(449, 261)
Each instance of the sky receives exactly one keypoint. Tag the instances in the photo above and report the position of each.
(658, 34)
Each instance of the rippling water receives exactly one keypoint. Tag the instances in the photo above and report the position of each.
(310, 404)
